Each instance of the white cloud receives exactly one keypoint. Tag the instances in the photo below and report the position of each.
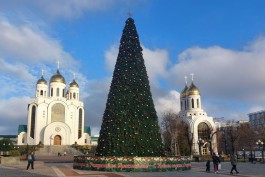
(13, 112)
(224, 73)
(73, 8)
(63, 9)
(167, 103)
(19, 71)
(14, 108)
(29, 44)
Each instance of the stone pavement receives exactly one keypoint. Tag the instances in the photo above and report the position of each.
(62, 167)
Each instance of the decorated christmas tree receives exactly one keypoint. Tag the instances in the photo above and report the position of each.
(130, 124)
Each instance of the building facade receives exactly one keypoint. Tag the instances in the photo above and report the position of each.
(55, 115)
(257, 119)
(202, 128)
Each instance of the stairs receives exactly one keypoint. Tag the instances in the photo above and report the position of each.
(55, 149)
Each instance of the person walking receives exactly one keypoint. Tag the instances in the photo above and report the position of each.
(216, 162)
(31, 159)
(233, 160)
(208, 165)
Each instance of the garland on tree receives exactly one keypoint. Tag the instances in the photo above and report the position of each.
(130, 123)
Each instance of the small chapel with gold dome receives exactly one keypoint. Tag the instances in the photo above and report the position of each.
(55, 115)
(201, 127)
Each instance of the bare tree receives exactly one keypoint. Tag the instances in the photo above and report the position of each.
(169, 129)
(176, 135)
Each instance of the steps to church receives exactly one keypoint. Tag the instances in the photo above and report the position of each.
(54, 150)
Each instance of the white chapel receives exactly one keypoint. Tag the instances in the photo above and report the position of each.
(55, 115)
(202, 128)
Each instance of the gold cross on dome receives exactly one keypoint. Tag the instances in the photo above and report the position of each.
(192, 75)
(186, 80)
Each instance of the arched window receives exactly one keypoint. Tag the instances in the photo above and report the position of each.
(198, 103)
(74, 95)
(70, 95)
(192, 103)
(80, 123)
(23, 139)
(57, 92)
(63, 93)
(203, 131)
(32, 121)
(51, 91)
(41, 92)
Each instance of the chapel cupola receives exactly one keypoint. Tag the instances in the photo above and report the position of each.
(57, 84)
(73, 91)
(190, 98)
(57, 77)
(193, 90)
(41, 87)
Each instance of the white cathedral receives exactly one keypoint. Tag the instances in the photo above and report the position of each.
(202, 128)
(55, 116)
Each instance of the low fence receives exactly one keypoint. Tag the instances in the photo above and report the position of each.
(124, 164)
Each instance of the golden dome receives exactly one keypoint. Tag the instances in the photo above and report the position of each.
(74, 84)
(193, 90)
(57, 77)
(184, 92)
(42, 81)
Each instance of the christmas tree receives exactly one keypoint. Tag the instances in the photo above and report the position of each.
(130, 124)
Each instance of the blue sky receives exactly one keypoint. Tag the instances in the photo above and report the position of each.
(221, 41)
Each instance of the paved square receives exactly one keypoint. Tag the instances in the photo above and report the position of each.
(54, 168)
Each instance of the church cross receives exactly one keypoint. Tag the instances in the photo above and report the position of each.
(42, 72)
(186, 80)
(192, 75)
(58, 64)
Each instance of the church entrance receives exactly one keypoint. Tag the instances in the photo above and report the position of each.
(57, 140)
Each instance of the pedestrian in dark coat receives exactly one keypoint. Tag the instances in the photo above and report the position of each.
(216, 162)
(208, 164)
(31, 159)
(233, 161)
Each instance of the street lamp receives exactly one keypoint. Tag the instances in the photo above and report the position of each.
(244, 155)
(260, 143)
(200, 143)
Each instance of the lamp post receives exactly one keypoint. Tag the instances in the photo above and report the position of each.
(260, 143)
(210, 142)
(244, 155)
(200, 143)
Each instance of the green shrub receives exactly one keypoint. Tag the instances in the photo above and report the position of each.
(14, 153)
